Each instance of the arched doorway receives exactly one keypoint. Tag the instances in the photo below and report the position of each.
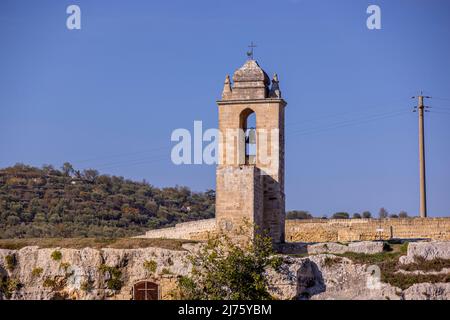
(145, 290)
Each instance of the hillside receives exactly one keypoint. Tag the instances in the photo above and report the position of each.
(47, 202)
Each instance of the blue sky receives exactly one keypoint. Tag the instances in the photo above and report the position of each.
(109, 95)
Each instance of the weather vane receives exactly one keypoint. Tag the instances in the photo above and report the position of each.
(250, 53)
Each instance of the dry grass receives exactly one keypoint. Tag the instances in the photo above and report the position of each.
(427, 265)
(96, 243)
(389, 265)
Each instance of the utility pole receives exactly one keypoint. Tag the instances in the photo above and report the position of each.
(423, 193)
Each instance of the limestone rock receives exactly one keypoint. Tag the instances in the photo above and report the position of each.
(327, 277)
(366, 247)
(42, 277)
(327, 247)
(344, 280)
(284, 284)
(427, 250)
(317, 277)
(428, 291)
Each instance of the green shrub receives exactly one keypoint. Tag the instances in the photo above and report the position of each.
(166, 271)
(56, 255)
(8, 286)
(331, 261)
(226, 270)
(10, 261)
(37, 272)
(114, 282)
(65, 266)
(150, 265)
(404, 248)
(87, 285)
(49, 283)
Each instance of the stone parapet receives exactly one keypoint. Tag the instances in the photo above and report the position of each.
(344, 230)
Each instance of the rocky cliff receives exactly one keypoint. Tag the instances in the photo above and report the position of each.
(326, 272)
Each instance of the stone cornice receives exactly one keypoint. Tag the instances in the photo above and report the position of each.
(252, 101)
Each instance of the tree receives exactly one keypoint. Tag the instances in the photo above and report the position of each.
(90, 174)
(393, 216)
(383, 213)
(356, 216)
(225, 270)
(47, 168)
(298, 215)
(367, 215)
(41, 203)
(67, 169)
(40, 217)
(13, 220)
(403, 214)
(340, 215)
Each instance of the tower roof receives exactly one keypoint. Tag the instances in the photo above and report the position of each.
(250, 82)
(251, 72)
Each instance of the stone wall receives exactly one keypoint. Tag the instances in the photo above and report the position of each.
(194, 230)
(318, 230)
(327, 230)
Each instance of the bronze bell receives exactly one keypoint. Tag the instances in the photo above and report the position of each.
(251, 139)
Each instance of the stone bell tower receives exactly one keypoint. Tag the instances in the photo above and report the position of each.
(250, 182)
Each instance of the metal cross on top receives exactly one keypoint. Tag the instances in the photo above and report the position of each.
(250, 53)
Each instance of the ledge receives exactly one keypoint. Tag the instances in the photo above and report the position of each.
(243, 101)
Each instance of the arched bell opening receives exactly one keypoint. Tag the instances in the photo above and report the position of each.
(248, 125)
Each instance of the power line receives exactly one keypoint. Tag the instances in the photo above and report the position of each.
(438, 98)
(138, 162)
(440, 112)
(338, 114)
(119, 155)
(354, 121)
(352, 124)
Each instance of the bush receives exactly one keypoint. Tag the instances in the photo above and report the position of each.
(298, 215)
(10, 261)
(37, 272)
(65, 266)
(56, 255)
(166, 271)
(383, 213)
(114, 282)
(150, 265)
(403, 214)
(49, 283)
(367, 215)
(340, 215)
(225, 270)
(8, 286)
(87, 285)
(331, 261)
